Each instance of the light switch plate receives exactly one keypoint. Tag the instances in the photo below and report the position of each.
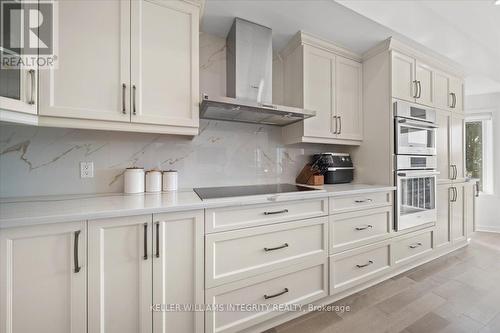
(86, 169)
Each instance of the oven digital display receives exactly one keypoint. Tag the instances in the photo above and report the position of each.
(418, 113)
(418, 162)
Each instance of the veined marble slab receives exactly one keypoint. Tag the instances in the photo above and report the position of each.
(16, 212)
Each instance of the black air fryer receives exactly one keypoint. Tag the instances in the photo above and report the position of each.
(336, 168)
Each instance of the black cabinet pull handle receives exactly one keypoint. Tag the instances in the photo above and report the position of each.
(367, 264)
(133, 100)
(363, 201)
(157, 239)
(124, 88)
(416, 88)
(276, 212)
(369, 226)
(145, 241)
(75, 251)
(276, 295)
(414, 246)
(267, 249)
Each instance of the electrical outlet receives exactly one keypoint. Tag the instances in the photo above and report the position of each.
(86, 169)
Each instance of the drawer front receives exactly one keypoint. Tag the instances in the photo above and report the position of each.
(230, 218)
(301, 286)
(350, 230)
(409, 248)
(354, 267)
(363, 201)
(235, 255)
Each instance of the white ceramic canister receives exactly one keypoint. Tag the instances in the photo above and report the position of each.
(134, 180)
(170, 180)
(153, 181)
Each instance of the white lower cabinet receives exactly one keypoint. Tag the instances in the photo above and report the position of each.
(239, 254)
(139, 262)
(300, 284)
(354, 229)
(412, 246)
(120, 275)
(458, 227)
(442, 235)
(351, 268)
(43, 279)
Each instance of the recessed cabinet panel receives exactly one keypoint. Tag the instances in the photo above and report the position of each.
(349, 96)
(440, 87)
(164, 54)
(319, 92)
(424, 84)
(120, 275)
(403, 77)
(442, 235)
(44, 289)
(458, 228)
(458, 146)
(93, 63)
(456, 94)
(178, 270)
(443, 120)
(18, 87)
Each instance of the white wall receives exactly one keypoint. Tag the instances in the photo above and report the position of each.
(488, 205)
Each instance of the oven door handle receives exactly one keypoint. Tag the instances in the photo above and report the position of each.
(418, 173)
(417, 124)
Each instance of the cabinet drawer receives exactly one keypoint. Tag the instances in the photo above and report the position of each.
(363, 201)
(229, 218)
(412, 246)
(350, 230)
(239, 254)
(298, 285)
(351, 268)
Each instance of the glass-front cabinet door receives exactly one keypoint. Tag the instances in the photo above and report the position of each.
(18, 83)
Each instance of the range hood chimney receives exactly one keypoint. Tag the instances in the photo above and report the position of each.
(249, 56)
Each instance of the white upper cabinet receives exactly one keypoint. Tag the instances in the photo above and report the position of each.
(319, 92)
(349, 99)
(164, 58)
(424, 83)
(416, 81)
(441, 88)
(327, 79)
(43, 274)
(457, 146)
(93, 74)
(443, 145)
(135, 68)
(456, 94)
(403, 77)
(18, 86)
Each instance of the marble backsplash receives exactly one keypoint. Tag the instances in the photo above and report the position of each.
(41, 161)
(44, 161)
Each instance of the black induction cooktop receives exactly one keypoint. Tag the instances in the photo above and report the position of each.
(241, 191)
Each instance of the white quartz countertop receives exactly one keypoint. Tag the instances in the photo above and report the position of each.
(16, 212)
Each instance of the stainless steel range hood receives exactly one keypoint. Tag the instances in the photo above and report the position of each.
(249, 81)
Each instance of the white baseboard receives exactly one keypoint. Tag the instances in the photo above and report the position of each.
(487, 228)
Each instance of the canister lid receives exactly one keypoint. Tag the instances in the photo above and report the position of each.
(135, 168)
(170, 170)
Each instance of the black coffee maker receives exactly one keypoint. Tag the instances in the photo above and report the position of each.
(336, 168)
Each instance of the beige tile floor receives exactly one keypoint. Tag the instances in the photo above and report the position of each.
(459, 292)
